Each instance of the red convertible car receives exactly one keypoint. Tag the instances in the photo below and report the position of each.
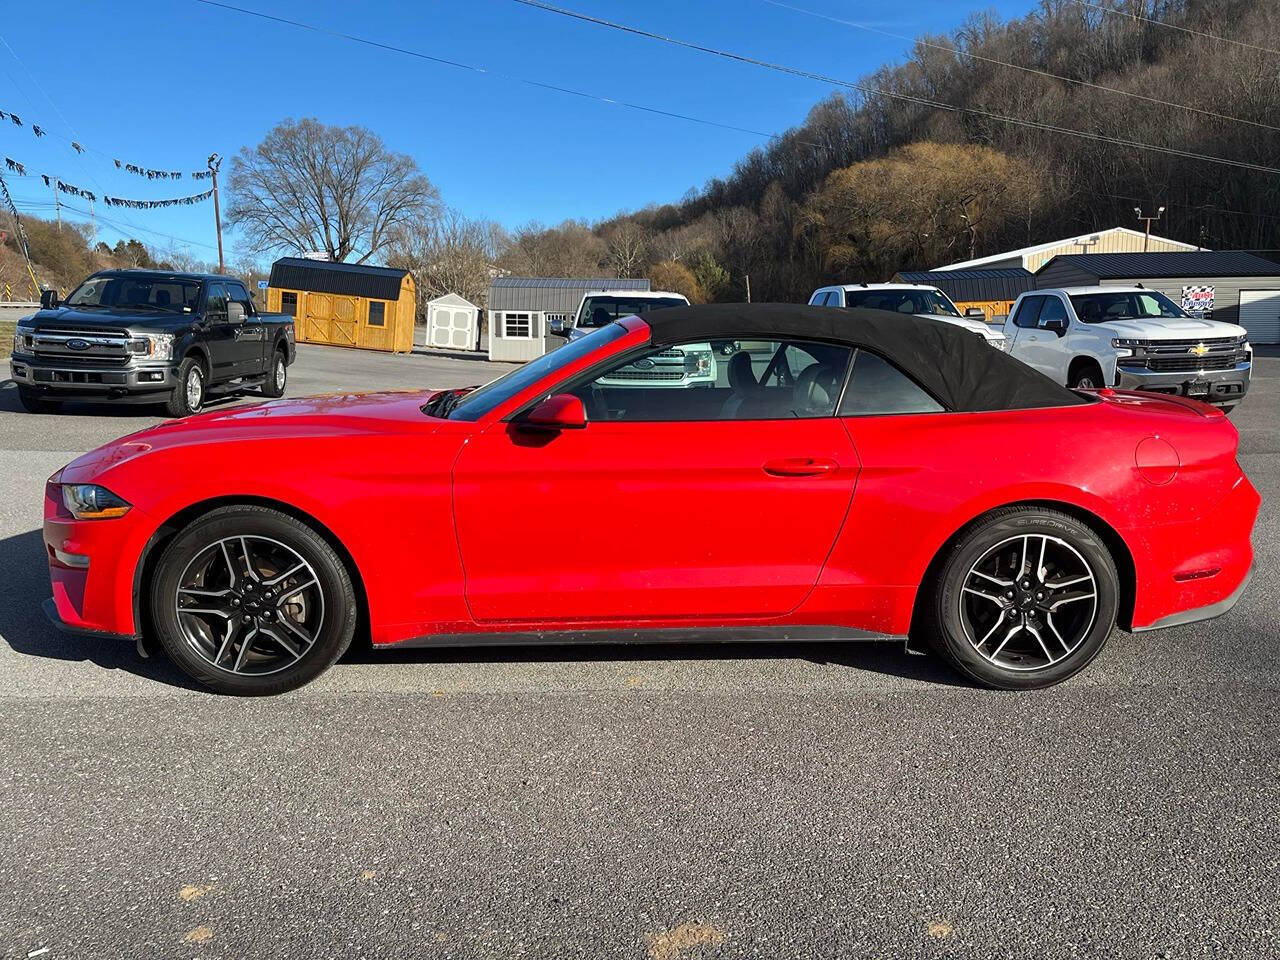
(846, 475)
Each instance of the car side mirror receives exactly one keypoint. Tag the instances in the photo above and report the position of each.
(563, 411)
(49, 299)
(235, 312)
(558, 327)
(1057, 324)
(975, 313)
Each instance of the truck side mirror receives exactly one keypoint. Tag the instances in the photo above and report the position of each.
(49, 299)
(559, 327)
(1057, 324)
(235, 312)
(975, 313)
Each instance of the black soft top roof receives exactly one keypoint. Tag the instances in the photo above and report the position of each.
(953, 364)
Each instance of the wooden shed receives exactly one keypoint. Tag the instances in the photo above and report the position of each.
(345, 304)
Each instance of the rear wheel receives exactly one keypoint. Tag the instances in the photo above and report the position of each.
(250, 601)
(1025, 598)
(187, 396)
(277, 376)
(33, 402)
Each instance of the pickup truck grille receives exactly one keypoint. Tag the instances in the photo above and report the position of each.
(1173, 356)
(106, 347)
(667, 366)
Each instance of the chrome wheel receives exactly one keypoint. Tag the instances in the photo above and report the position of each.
(1028, 602)
(194, 388)
(280, 374)
(249, 605)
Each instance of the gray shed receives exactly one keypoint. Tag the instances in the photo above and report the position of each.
(1226, 284)
(520, 309)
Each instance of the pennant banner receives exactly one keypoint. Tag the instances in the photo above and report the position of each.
(133, 168)
(152, 204)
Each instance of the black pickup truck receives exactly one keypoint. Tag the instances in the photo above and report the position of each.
(150, 336)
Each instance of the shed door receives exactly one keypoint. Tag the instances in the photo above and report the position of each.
(314, 328)
(452, 328)
(1260, 315)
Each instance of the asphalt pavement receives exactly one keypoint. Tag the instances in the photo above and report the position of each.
(653, 802)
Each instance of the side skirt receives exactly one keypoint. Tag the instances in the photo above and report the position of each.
(655, 635)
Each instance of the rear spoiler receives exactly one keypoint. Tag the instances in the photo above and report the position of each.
(1205, 410)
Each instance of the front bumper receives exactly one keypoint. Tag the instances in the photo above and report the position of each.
(103, 381)
(1211, 386)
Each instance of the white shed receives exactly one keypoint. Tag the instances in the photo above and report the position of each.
(453, 323)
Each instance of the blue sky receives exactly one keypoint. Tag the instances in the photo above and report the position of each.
(162, 83)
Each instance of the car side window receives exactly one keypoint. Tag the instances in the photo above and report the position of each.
(834, 298)
(1052, 310)
(237, 293)
(1028, 314)
(878, 388)
(215, 304)
(730, 380)
(818, 299)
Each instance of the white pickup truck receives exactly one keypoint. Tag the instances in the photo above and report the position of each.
(915, 299)
(1132, 338)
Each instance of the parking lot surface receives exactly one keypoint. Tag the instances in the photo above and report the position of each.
(662, 802)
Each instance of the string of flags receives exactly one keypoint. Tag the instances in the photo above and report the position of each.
(133, 168)
(121, 201)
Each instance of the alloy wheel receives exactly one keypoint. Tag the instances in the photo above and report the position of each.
(249, 605)
(1028, 602)
(194, 388)
(280, 374)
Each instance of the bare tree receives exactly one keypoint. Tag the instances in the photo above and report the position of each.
(568, 250)
(628, 246)
(309, 186)
(450, 254)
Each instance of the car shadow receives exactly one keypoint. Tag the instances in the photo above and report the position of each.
(9, 403)
(28, 631)
(885, 658)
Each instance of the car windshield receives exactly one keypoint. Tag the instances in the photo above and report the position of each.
(478, 402)
(1141, 305)
(137, 293)
(925, 302)
(600, 311)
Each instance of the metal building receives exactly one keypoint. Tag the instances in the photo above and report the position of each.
(993, 290)
(345, 304)
(1226, 285)
(520, 308)
(1114, 240)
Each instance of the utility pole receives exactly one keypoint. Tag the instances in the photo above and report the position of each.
(93, 226)
(747, 277)
(1146, 240)
(57, 204)
(215, 162)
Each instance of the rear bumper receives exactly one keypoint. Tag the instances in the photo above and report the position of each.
(1223, 386)
(102, 382)
(1198, 569)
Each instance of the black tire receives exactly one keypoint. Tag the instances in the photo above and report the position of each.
(1022, 667)
(1086, 374)
(278, 670)
(181, 402)
(277, 376)
(33, 402)
(1226, 408)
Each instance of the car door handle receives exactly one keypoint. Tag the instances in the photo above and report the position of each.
(800, 467)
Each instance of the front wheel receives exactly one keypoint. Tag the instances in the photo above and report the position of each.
(33, 402)
(1086, 376)
(1025, 598)
(187, 396)
(250, 601)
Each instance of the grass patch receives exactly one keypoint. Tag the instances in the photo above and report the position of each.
(6, 338)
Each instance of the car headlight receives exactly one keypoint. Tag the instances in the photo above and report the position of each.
(154, 346)
(1126, 342)
(699, 363)
(88, 501)
(22, 338)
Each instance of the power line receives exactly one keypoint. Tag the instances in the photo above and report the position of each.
(956, 51)
(460, 65)
(1174, 26)
(879, 91)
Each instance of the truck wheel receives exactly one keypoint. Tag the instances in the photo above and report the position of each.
(277, 376)
(33, 402)
(1087, 375)
(188, 396)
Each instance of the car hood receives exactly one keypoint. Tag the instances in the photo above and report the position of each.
(1178, 328)
(67, 316)
(327, 415)
(973, 326)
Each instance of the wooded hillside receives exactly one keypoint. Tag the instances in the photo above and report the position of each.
(872, 183)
